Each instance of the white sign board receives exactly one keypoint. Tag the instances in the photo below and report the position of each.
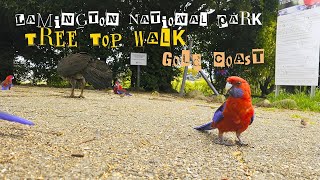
(138, 59)
(297, 48)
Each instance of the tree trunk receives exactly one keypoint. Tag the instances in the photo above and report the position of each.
(264, 87)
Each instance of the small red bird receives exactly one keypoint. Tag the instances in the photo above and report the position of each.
(7, 83)
(236, 114)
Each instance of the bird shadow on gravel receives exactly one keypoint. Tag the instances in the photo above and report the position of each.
(23, 132)
(69, 97)
(213, 137)
(11, 135)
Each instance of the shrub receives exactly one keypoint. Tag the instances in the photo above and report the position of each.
(199, 85)
(217, 99)
(285, 104)
(263, 103)
(303, 100)
(196, 94)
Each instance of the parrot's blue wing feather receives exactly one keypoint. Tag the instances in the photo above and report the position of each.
(218, 115)
(216, 118)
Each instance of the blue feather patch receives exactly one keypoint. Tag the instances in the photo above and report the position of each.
(215, 119)
(218, 115)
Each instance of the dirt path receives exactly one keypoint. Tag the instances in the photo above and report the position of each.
(148, 137)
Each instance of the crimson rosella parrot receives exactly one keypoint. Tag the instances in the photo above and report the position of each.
(118, 89)
(7, 83)
(236, 114)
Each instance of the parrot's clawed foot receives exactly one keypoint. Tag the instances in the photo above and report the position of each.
(221, 141)
(240, 142)
(81, 96)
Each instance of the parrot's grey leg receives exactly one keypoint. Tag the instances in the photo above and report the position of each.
(220, 138)
(83, 84)
(241, 143)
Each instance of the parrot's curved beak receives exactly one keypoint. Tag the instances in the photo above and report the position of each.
(228, 86)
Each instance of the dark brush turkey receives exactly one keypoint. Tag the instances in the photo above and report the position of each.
(81, 67)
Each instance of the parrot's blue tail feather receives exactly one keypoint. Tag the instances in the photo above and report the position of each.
(13, 118)
(204, 127)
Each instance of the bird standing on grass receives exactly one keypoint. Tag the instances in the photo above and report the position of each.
(236, 114)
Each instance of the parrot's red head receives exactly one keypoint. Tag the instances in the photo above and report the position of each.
(9, 78)
(240, 88)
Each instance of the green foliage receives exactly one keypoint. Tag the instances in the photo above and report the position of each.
(126, 84)
(256, 100)
(266, 40)
(196, 94)
(296, 116)
(42, 62)
(217, 99)
(56, 81)
(285, 104)
(242, 39)
(199, 85)
(262, 103)
(303, 100)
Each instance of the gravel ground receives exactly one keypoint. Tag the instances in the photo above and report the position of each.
(147, 137)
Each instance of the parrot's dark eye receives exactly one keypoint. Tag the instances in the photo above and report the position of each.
(238, 83)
